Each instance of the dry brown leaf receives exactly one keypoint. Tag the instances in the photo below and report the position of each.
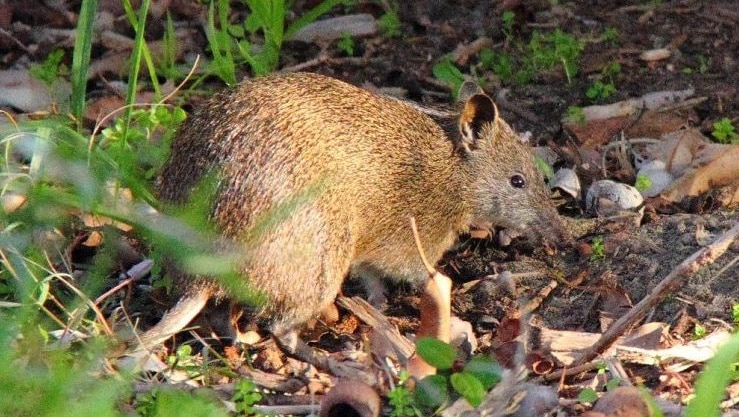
(595, 133)
(677, 150)
(98, 108)
(698, 165)
(655, 124)
(714, 166)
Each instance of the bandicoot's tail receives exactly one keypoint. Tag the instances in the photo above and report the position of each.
(176, 318)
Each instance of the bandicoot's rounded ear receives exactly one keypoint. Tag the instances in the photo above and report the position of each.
(478, 111)
(467, 90)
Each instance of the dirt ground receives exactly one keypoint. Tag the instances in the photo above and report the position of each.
(638, 255)
(704, 45)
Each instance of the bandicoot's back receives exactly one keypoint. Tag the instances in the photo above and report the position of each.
(332, 173)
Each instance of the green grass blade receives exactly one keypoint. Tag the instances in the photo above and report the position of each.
(135, 63)
(140, 45)
(81, 57)
(220, 43)
(711, 385)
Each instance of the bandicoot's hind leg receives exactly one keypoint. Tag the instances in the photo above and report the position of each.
(174, 320)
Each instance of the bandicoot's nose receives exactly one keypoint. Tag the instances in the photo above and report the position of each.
(552, 228)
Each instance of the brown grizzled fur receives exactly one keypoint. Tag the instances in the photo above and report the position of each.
(363, 164)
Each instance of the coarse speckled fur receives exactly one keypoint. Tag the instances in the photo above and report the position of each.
(372, 163)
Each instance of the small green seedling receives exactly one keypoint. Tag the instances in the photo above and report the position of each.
(50, 69)
(643, 183)
(699, 331)
(246, 396)
(724, 131)
(502, 64)
(346, 44)
(401, 399)
(599, 249)
(471, 380)
(587, 395)
(576, 114)
(604, 86)
(508, 18)
(389, 24)
(600, 90)
(610, 35)
(553, 49)
(735, 313)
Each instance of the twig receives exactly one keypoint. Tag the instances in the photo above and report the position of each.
(15, 40)
(572, 370)
(429, 268)
(280, 410)
(535, 302)
(675, 278)
(133, 274)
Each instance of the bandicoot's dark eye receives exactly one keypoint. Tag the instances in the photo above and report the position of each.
(518, 181)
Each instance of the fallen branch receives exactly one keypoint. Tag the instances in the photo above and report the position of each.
(675, 278)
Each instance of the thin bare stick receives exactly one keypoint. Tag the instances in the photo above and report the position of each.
(430, 268)
(675, 278)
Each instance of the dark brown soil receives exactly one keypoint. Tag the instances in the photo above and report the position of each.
(703, 41)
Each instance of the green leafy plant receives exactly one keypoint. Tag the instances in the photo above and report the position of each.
(170, 402)
(246, 396)
(610, 35)
(471, 380)
(604, 86)
(50, 69)
(587, 395)
(735, 313)
(401, 398)
(389, 24)
(724, 131)
(550, 50)
(501, 64)
(447, 72)
(599, 249)
(576, 114)
(699, 331)
(508, 19)
(702, 67)
(234, 44)
(599, 91)
(643, 183)
(346, 44)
